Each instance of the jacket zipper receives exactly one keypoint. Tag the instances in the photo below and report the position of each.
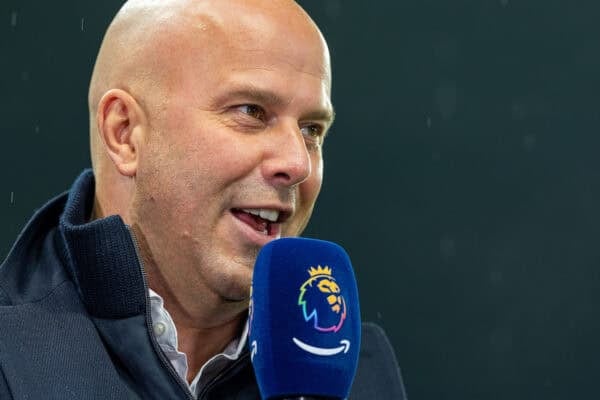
(165, 362)
(221, 375)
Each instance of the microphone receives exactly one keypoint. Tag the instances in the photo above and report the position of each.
(304, 315)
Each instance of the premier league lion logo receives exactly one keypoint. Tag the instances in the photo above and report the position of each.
(321, 300)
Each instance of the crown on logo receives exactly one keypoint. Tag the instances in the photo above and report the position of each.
(319, 271)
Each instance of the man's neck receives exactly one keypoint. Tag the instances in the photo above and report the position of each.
(205, 323)
(204, 329)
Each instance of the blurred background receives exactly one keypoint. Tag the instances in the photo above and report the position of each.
(461, 174)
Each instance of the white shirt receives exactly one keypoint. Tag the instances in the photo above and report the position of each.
(166, 336)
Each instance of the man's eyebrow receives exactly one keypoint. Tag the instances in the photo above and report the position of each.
(249, 93)
(325, 115)
(257, 95)
(254, 94)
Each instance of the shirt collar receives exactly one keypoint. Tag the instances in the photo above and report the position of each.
(165, 332)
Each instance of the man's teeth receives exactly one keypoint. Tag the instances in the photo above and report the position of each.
(269, 215)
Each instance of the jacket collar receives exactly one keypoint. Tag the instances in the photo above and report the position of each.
(102, 256)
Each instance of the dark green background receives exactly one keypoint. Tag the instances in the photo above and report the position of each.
(461, 174)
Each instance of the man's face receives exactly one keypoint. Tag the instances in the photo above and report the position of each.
(233, 159)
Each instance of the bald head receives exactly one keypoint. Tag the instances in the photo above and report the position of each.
(143, 50)
(154, 48)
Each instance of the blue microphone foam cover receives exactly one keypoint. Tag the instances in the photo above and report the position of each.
(304, 319)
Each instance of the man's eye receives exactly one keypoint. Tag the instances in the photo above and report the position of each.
(313, 131)
(253, 111)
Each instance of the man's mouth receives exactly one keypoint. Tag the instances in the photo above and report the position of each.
(265, 221)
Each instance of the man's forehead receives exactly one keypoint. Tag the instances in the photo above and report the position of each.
(220, 45)
(174, 41)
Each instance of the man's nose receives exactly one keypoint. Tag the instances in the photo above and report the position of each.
(287, 161)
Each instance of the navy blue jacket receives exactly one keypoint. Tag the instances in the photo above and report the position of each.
(75, 319)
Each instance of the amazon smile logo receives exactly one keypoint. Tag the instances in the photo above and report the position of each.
(322, 351)
(324, 308)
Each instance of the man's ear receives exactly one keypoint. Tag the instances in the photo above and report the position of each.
(120, 122)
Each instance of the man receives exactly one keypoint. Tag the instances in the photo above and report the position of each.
(207, 120)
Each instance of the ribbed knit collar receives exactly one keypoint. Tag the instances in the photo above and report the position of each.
(102, 256)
